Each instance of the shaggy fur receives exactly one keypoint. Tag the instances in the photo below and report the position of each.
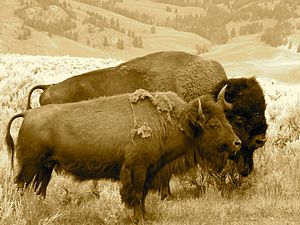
(185, 74)
(247, 118)
(92, 140)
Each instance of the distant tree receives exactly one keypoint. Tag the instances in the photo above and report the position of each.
(140, 42)
(75, 36)
(199, 50)
(204, 48)
(90, 29)
(20, 37)
(120, 43)
(64, 4)
(88, 41)
(135, 42)
(168, 9)
(175, 11)
(105, 42)
(24, 36)
(233, 32)
(153, 29)
(290, 45)
(118, 25)
(298, 49)
(112, 22)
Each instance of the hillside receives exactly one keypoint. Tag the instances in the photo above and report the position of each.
(129, 28)
(248, 37)
(90, 41)
(247, 56)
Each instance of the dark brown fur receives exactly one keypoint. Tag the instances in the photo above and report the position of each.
(247, 118)
(94, 140)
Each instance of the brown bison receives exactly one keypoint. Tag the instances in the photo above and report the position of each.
(247, 117)
(128, 137)
(185, 74)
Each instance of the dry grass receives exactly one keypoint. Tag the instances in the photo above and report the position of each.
(271, 195)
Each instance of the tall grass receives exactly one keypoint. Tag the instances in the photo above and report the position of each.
(270, 195)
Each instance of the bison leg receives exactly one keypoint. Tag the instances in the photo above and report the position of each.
(132, 190)
(25, 175)
(43, 176)
(164, 190)
(94, 188)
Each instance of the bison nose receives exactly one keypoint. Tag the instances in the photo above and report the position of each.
(237, 143)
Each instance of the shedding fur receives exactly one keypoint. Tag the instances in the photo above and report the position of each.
(80, 139)
(160, 101)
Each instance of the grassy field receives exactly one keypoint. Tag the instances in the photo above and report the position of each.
(271, 195)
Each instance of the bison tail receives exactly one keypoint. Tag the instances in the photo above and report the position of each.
(9, 140)
(42, 87)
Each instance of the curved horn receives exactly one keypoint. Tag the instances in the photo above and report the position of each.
(200, 112)
(221, 98)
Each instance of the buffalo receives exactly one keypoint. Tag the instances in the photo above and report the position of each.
(128, 137)
(245, 107)
(187, 75)
(247, 117)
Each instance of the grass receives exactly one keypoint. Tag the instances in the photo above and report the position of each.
(271, 195)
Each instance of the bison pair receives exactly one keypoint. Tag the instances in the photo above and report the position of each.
(141, 142)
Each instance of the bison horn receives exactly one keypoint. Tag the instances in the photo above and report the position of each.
(221, 98)
(200, 112)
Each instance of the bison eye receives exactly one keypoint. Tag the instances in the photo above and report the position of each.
(213, 124)
(239, 120)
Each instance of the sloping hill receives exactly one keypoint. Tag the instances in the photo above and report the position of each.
(40, 42)
(247, 56)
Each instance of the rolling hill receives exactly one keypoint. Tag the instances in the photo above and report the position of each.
(230, 30)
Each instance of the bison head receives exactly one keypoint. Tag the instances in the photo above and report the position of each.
(247, 117)
(214, 136)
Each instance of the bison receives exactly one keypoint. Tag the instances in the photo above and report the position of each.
(247, 117)
(187, 75)
(128, 137)
(245, 107)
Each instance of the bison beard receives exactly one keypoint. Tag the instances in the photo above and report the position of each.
(92, 140)
(247, 118)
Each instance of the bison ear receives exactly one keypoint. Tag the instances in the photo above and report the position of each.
(193, 117)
